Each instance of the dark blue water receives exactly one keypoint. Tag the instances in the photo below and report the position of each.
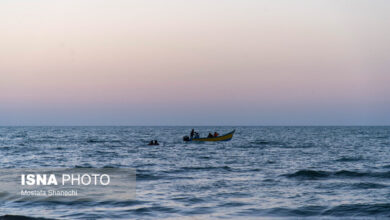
(298, 172)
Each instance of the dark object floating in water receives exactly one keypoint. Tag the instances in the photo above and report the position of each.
(225, 137)
(153, 142)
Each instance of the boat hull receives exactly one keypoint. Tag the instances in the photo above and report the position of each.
(225, 137)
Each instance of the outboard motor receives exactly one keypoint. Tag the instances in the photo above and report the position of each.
(186, 138)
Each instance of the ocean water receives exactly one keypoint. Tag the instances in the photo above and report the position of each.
(263, 172)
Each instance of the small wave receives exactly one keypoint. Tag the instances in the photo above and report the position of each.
(347, 210)
(19, 135)
(149, 210)
(144, 176)
(262, 142)
(84, 166)
(93, 140)
(20, 217)
(48, 137)
(359, 210)
(185, 169)
(199, 211)
(386, 166)
(319, 174)
(233, 204)
(349, 159)
(111, 166)
(195, 169)
(122, 203)
(368, 185)
(190, 200)
(347, 173)
(265, 142)
(108, 154)
(236, 194)
(306, 145)
(147, 177)
(304, 211)
(308, 174)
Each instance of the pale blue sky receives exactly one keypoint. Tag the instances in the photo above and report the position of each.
(195, 62)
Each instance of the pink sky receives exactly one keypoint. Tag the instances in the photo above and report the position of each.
(220, 62)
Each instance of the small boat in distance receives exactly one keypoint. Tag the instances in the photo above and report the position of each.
(225, 137)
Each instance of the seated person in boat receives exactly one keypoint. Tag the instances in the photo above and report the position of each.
(196, 135)
(153, 142)
(216, 134)
(210, 135)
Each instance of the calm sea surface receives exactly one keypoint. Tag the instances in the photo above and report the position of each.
(263, 172)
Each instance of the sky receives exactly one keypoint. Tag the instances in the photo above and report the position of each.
(195, 62)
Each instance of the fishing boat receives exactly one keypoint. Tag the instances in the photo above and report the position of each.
(225, 137)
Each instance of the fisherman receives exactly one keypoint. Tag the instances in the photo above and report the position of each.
(216, 134)
(210, 135)
(153, 142)
(192, 133)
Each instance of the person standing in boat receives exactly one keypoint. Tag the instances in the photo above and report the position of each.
(192, 133)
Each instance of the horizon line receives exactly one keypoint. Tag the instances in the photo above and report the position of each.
(346, 125)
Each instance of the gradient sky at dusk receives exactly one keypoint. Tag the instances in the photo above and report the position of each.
(195, 62)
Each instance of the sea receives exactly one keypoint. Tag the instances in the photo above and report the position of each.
(264, 172)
